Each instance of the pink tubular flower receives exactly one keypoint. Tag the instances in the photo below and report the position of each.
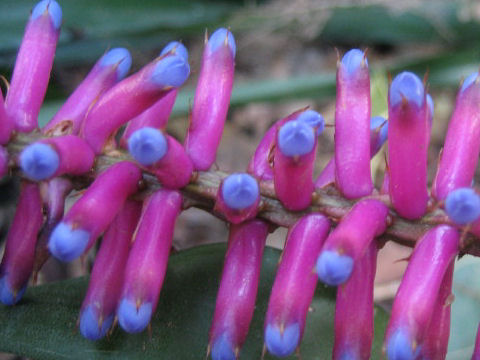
(17, 262)
(408, 135)
(354, 310)
(6, 124)
(147, 262)
(238, 289)
(100, 303)
(90, 216)
(352, 126)
(459, 159)
(294, 285)
(32, 68)
(212, 98)
(111, 68)
(348, 242)
(131, 97)
(414, 305)
(56, 156)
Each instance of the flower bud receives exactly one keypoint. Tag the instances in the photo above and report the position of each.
(147, 261)
(17, 262)
(56, 156)
(463, 206)
(460, 153)
(100, 303)
(294, 285)
(109, 69)
(32, 67)
(352, 124)
(212, 99)
(408, 136)
(235, 304)
(90, 216)
(414, 305)
(238, 197)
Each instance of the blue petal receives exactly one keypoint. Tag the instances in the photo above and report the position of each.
(296, 138)
(314, 119)
(430, 104)
(66, 244)
(353, 59)
(334, 269)
(222, 349)
(279, 344)
(177, 48)
(399, 346)
(408, 86)
(222, 37)
(469, 81)
(147, 145)
(120, 57)
(39, 161)
(53, 9)
(240, 191)
(7, 295)
(463, 206)
(171, 71)
(89, 324)
(131, 319)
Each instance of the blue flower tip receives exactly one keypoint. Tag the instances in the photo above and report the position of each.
(222, 37)
(379, 123)
(171, 71)
(334, 269)
(133, 319)
(353, 59)
(39, 161)
(296, 138)
(147, 145)
(314, 119)
(399, 347)
(52, 8)
(470, 79)
(177, 48)
(463, 206)
(119, 57)
(240, 191)
(222, 349)
(66, 244)
(279, 344)
(7, 295)
(90, 326)
(431, 106)
(406, 86)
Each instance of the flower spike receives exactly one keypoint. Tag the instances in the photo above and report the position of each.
(212, 98)
(147, 262)
(32, 67)
(109, 69)
(90, 216)
(408, 135)
(294, 285)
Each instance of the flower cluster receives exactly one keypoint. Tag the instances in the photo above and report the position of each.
(124, 118)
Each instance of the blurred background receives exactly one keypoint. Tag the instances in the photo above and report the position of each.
(286, 59)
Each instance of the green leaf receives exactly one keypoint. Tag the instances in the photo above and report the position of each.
(43, 324)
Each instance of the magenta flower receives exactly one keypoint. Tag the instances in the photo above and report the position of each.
(6, 124)
(238, 289)
(212, 99)
(32, 67)
(147, 262)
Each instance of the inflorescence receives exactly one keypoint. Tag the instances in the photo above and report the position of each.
(137, 183)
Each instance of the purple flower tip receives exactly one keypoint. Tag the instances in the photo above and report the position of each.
(176, 48)
(171, 71)
(377, 122)
(222, 349)
(353, 59)
(134, 319)
(53, 9)
(430, 104)
(469, 81)
(347, 356)
(282, 344)
(334, 269)
(119, 57)
(39, 161)
(220, 38)
(90, 325)
(240, 191)
(314, 119)
(408, 86)
(147, 145)
(463, 206)
(7, 295)
(66, 244)
(399, 347)
(296, 138)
